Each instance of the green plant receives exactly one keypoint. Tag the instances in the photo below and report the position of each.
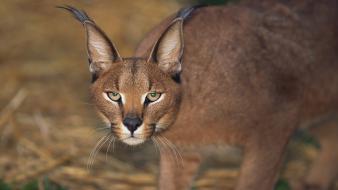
(33, 185)
(4, 186)
(282, 184)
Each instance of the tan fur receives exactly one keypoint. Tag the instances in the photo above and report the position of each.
(133, 78)
(251, 74)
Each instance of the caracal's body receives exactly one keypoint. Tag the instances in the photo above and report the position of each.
(249, 75)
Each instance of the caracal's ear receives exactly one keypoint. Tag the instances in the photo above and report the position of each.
(168, 50)
(101, 51)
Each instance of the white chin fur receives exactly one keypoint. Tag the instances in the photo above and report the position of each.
(133, 141)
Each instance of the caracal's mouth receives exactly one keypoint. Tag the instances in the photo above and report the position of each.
(133, 140)
(137, 137)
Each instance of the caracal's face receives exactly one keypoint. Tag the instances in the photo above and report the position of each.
(136, 99)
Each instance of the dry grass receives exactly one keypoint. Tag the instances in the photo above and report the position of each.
(47, 125)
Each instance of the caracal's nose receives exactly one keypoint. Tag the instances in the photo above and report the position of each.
(132, 123)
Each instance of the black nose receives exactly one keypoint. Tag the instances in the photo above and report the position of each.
(132, 123)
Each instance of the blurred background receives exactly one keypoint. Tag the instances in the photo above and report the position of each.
(48, 127)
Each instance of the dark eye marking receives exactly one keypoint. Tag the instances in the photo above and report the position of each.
(146, 102)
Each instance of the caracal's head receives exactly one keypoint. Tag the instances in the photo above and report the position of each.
(136, 97)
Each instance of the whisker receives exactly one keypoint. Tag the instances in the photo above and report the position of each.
(175, 148)
(96, 149)
(91, 153)
(100, 147)
(101, 129)
(156, 145)
(170, 148)
(112, 138)
(114, 144)
(178, 152)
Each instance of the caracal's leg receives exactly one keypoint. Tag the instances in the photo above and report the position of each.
(177, 172)
(263, 155)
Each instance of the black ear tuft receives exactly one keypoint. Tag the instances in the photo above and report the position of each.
(101, 51)
(80, 15)
(184, 13)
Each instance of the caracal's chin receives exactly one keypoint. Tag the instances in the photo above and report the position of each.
(133, 141)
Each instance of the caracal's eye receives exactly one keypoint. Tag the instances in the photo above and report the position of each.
(114, 96)
(153, 96)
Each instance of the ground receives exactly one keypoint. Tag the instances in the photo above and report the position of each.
(48, 126)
